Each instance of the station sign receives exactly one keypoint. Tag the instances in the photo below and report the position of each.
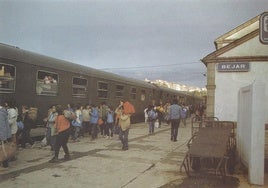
(233, 67)
(264, 28)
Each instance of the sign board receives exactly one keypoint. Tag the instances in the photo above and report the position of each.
(233, 67)
(264, 28)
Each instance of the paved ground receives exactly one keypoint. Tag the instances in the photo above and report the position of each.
(151, 161)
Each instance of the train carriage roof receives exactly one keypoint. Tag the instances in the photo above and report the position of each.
(16, 54)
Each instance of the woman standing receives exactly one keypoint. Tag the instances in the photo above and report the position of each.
(63, 131)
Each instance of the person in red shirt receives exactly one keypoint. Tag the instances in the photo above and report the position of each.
(62, 125)
(124, 122)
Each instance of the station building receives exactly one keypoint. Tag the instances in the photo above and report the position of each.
(240, 64)
(239, 60)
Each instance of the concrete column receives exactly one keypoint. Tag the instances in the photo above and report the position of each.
(210, 89)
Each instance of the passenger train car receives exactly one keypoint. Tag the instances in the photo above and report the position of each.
(39, 81)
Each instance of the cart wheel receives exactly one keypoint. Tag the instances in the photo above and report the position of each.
(5, 163)
(195, 163)
(231, 162)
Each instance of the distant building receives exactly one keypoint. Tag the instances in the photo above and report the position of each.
(177, 86)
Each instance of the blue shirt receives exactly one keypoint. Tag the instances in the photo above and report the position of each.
(5, 131)
(175, 111)
(94, 116)
(110, 117)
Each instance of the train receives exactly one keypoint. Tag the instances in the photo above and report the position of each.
(40, 81)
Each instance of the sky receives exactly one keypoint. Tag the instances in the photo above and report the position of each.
(142, 39)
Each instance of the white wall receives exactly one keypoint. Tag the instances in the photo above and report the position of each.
(228, 85)
(251, 130)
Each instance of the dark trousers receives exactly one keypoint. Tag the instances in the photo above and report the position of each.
(51, 140)
(160, 117)
(61, 141)
(26, 138)
(174, 128)
(94, 131)
(151, 126)
(109, 129)
(85, 127)
(102, 129)
(123, 136)
(5, 163)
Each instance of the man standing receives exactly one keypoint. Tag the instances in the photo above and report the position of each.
(175, 112)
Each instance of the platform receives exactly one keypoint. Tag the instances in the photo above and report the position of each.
(151, 161)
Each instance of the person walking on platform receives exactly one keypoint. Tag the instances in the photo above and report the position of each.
(184, 112)
(63, 132)
(152, 117)
(5, 131)
(175, 113)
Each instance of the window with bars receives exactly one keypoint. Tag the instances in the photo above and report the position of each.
(103, 90)
(79, 87)
(119, 90)
(133, 93)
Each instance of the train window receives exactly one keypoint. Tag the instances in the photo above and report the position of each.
(143, 93)
(133, 93)
(47, 83)
(103, 90)
(7, 78)
(79, 87)
(119, 91)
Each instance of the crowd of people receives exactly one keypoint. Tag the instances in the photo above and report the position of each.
(74, 122)
(61, 124)
(171, 113)
(77, 121)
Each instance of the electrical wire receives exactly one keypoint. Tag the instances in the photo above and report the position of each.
(149, 66)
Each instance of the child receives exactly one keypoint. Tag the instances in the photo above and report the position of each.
(110, 123)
